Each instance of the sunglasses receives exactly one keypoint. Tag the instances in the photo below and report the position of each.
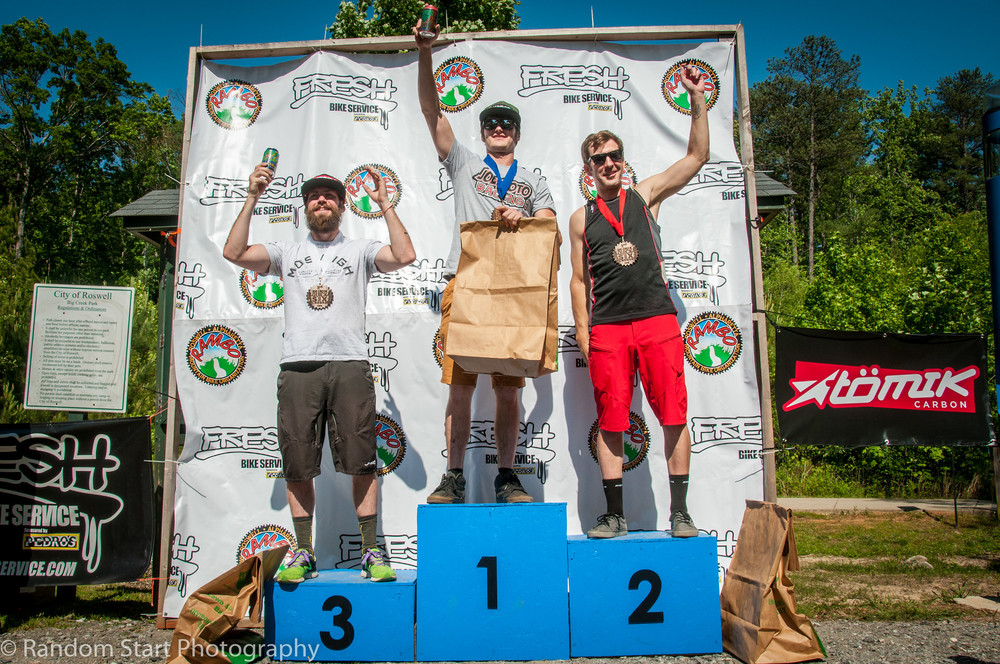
(490, 124)
(599, 159)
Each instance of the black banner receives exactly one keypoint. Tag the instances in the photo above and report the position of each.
(76, 502)
(864, 388)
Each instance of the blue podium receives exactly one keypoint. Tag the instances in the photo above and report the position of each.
(644, 594)
(492, 582)
(338, 616)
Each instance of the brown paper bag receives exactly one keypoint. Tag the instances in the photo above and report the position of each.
(504, 313)
(759, 622)
(215, 608)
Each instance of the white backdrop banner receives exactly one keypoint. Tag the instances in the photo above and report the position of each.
(333, 113)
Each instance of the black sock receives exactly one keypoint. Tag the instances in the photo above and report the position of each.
(613, 494)
(368, 525)
(678, 493)
(303, 527)
(457, 472)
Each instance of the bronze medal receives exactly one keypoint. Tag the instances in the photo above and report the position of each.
(625, 253)
(319, 296)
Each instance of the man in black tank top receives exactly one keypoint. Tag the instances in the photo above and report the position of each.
(625, 320)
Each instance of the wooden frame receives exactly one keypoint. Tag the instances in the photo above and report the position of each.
(730, 33)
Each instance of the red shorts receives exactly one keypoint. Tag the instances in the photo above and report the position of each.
(654, 347)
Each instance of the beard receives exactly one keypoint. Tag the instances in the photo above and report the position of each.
(326, 224)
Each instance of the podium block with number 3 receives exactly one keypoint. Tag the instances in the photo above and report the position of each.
(644, 594)
(492, 582)
(338, 616)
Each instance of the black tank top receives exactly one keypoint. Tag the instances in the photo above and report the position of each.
(635, 291)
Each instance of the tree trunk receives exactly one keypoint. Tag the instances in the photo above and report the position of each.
(22, 214)
(795, 234)
(812, 192)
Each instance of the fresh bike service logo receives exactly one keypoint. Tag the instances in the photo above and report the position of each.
(366, 99)
(262, 291)
(600, 88)
(459, 83)
(359, 200)
(233, 104)
(677, 95)
(390, 444)
(636, 441)
(712, 342)
(216, 355)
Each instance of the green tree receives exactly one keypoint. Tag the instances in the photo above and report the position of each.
(383, 18)
(807, 127)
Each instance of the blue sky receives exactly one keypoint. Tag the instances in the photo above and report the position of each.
(917, 41)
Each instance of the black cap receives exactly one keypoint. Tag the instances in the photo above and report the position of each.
(324, 181)
(501, 109)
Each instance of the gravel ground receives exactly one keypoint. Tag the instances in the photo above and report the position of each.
(847, 642)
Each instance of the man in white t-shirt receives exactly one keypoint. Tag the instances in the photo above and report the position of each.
(492, 188)
(325, 378)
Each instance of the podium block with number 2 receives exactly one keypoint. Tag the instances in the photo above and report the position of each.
(492, 582)
(644, 594)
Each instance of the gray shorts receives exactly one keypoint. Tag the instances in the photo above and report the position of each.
(337, 397)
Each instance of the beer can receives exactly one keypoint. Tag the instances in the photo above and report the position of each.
(271, 158)
(428, 19)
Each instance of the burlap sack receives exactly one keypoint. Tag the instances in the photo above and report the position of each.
(504, 312)
(759, 621)
(216, 608)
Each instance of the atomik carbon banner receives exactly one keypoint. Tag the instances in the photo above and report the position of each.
(76, 502)
(863, 388)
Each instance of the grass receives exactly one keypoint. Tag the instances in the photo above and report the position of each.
(116, 601)
(853, 565)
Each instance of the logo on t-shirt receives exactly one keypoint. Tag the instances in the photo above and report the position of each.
(518, 195)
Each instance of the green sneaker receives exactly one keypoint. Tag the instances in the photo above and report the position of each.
(374, 566)
(681, 525)
(301, 567)
(608, 526)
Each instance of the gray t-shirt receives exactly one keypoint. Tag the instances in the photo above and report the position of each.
(476, 195)
(337, 332)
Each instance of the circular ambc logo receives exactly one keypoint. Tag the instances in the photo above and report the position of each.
(459, 82)
(712, 342)
(262, 538)
(589, 190)
(636, 441)
(233, 104)
(359, 200)
(264, 291)
(438, 348)
(390, 442)
(216, 355)
(677, 95)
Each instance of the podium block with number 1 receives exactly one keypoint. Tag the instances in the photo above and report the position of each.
(492, 582)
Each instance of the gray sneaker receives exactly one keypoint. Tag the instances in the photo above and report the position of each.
(450, 491)
(608, 526)
(509, 490)
(681, 525)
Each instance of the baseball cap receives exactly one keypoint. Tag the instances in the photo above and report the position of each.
(324, 181)
(501, 109)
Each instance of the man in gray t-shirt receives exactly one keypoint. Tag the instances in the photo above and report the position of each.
(496, 187)
(325, 376)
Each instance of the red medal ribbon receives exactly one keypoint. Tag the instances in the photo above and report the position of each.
(617, 224)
